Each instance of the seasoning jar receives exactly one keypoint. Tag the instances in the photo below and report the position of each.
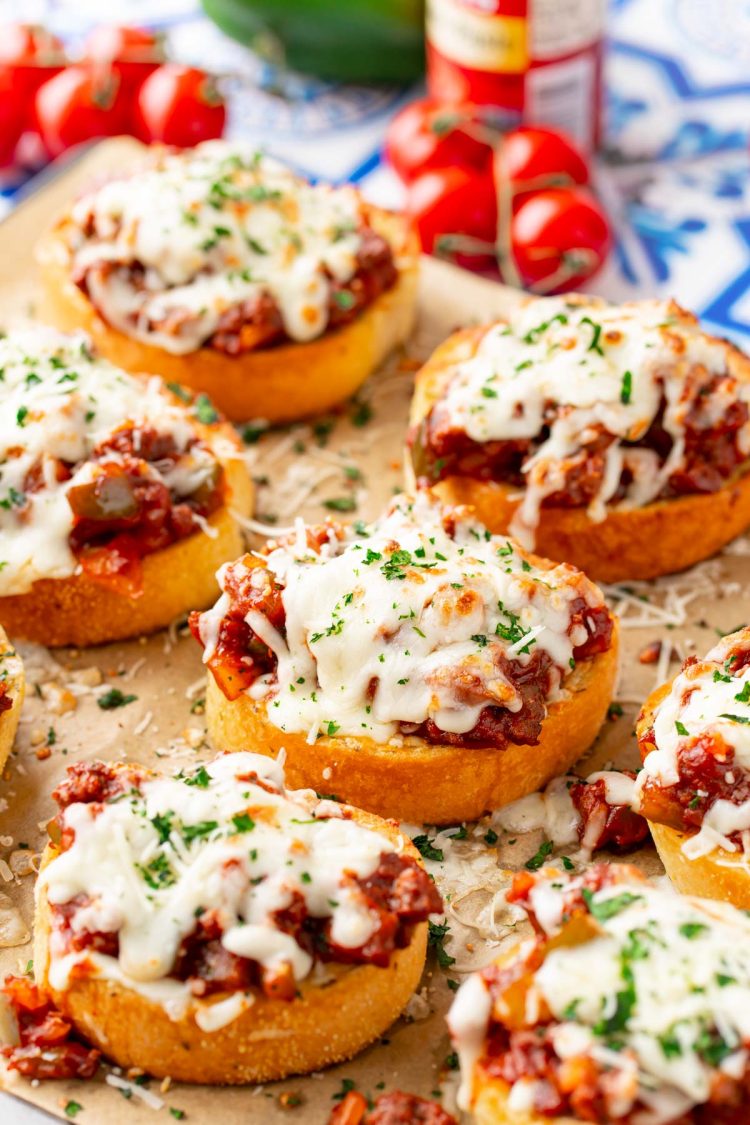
(532, 61)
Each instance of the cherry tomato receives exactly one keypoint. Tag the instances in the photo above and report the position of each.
(77, 105)
(12, 119)
(449, 207)
(29, 56)
(179, 105)
(132, 52)
(530, 159)
(429, 134)
(560, 238)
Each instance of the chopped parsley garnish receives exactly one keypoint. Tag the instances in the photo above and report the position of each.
(201, 778)
(711, 1047)
(197, 831)
(626, 388)
(72, 1108)
(114, 698)
(692, 930)
(490, 837)
(340, 504)
(425, 847)
(533, 335)
(596, 330)
(243, 822)
(205, 411)
(437, 932)
(681, 729)
(670, 1045)
(735, 718)
(744, 695)
(512, 630)
(21, 415)
(162, 822)
(537, 860)
(158, 873)
(608, 907)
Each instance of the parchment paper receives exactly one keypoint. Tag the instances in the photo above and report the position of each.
(355, 456)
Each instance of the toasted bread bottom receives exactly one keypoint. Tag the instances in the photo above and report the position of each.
(660, 538)
(416, 781)
(278, 384)
(270, 1040)
(721, 874)
(78, 611)
(9, 719)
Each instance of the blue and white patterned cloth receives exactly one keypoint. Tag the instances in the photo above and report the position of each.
(676, 178)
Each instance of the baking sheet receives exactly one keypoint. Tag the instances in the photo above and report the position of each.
(354, 456)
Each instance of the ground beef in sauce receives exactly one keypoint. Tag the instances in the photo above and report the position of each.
(396, 1108)
(124, 513)
(48, 1047)
(712, 453)
(258, 322)
(620, 828)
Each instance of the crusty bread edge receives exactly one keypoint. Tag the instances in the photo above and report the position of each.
(419, 782)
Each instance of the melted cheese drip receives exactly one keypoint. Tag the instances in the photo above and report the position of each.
(58, 403)
(152, 860)
(214, 227)
(688, 961)
(402, 626)
(606, 366)
(705, 698)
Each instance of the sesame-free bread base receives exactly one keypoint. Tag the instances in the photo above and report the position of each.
(417, 781)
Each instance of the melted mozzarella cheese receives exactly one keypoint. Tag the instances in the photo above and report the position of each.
(405, 625)
(153, 860)
(661, 994)
(214, 227)
(57, 403)
(603, 367)
(709, 697)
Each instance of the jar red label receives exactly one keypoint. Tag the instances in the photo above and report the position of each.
(537, 61)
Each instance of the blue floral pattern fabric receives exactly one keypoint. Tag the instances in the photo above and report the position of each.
(674, 173)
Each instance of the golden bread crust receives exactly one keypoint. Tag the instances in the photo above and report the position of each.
(419, 782)
(78, 611)
(9, 719)
(270, 1040)
(660, 538)
(279, 384)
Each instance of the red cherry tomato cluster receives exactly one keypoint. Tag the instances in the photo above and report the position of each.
(514, 203)
(122, 83)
